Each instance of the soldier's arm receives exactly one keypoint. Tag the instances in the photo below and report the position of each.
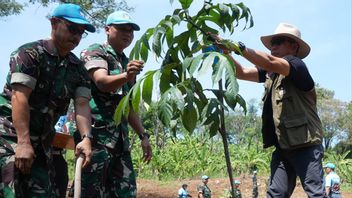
(83, 121)
(110, 83)
(200, 192)
(24, 153)
(106, 82)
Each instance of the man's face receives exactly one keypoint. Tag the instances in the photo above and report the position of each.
(205, 181)
(120, 36)
(66, 35)
(283, 46)
(327, 170)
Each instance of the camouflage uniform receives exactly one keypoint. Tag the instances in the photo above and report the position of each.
(205, 190)
(54, 81)
(238, 193)
(111, 169)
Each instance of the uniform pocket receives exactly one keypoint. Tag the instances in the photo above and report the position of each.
(297, 130)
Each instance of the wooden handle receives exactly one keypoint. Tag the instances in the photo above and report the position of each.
(78, 171)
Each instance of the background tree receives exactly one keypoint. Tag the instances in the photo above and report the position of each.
(10, 7)
(97, 10)
(332, 113)
(345, 144)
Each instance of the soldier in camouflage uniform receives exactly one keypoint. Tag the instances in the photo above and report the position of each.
(203, 189)
(237, 184)
(44, 75)
(111, 172)
(255, 185)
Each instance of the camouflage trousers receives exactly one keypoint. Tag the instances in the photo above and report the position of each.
(14, 184)
(109, 175)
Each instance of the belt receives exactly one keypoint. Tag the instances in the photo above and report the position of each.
(58, 152)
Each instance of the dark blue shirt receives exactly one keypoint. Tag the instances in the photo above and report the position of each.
(299, 74)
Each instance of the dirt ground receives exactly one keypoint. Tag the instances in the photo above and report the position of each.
(156, 189)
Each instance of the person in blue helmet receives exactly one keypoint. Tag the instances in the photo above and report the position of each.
(237, 184)
(332, 181)
(44, 76)
(203, 189)
(112, 76)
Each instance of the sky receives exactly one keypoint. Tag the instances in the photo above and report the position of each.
(325, 25)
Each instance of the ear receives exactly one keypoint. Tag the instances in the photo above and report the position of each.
(54, 22)
(107, 29)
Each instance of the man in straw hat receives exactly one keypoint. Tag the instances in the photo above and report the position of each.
(44, 75)
(290, 119)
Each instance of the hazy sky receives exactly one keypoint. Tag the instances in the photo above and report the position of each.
(325, 26)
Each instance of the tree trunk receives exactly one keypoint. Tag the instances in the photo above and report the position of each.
(222, 131)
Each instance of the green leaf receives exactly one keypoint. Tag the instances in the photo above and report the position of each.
(156, 45)
(219, 67)
(231, 84)
(165, 112)
(122, 109)
(176, 18)
(196, 62)
(136, 96)
(185, 3)
(176, 97)
(187, 63)
(211, 114)
(231, 100)
(146, 36)
(165, 79)
(144, 53)
(148, 86)
(207, 63)
(169, 37)
(189, 117)
(242, 102)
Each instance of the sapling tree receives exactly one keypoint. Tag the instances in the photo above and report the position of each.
(183, 58)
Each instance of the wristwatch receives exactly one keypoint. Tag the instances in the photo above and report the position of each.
(143, 135)
(88, 135)
(242, 47)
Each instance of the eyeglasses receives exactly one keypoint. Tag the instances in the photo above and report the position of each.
(73, 29)
(280, 40)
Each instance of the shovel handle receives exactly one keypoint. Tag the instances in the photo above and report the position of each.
(78, 171)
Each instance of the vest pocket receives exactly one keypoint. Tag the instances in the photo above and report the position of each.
(297, 130)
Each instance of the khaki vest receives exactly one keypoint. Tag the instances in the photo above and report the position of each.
(294, 113)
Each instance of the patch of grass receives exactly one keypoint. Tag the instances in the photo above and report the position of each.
(70, 159)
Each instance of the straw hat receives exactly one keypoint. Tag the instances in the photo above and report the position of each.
(288, 30)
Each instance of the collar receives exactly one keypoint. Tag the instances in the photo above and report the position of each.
(111, 50)
(49, 47)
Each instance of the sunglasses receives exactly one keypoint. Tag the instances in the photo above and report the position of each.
(280, 40)
(73, 29)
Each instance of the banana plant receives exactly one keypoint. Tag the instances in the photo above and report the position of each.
(182, 95)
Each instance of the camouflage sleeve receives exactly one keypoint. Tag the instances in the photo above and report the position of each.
(200, 189)
(83, 89)
(24, 65)
(94, 57)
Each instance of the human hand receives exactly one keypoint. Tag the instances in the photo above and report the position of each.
(134, 67)
(85, 148)
(24, 157)
(228, 45)
(147, 150)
